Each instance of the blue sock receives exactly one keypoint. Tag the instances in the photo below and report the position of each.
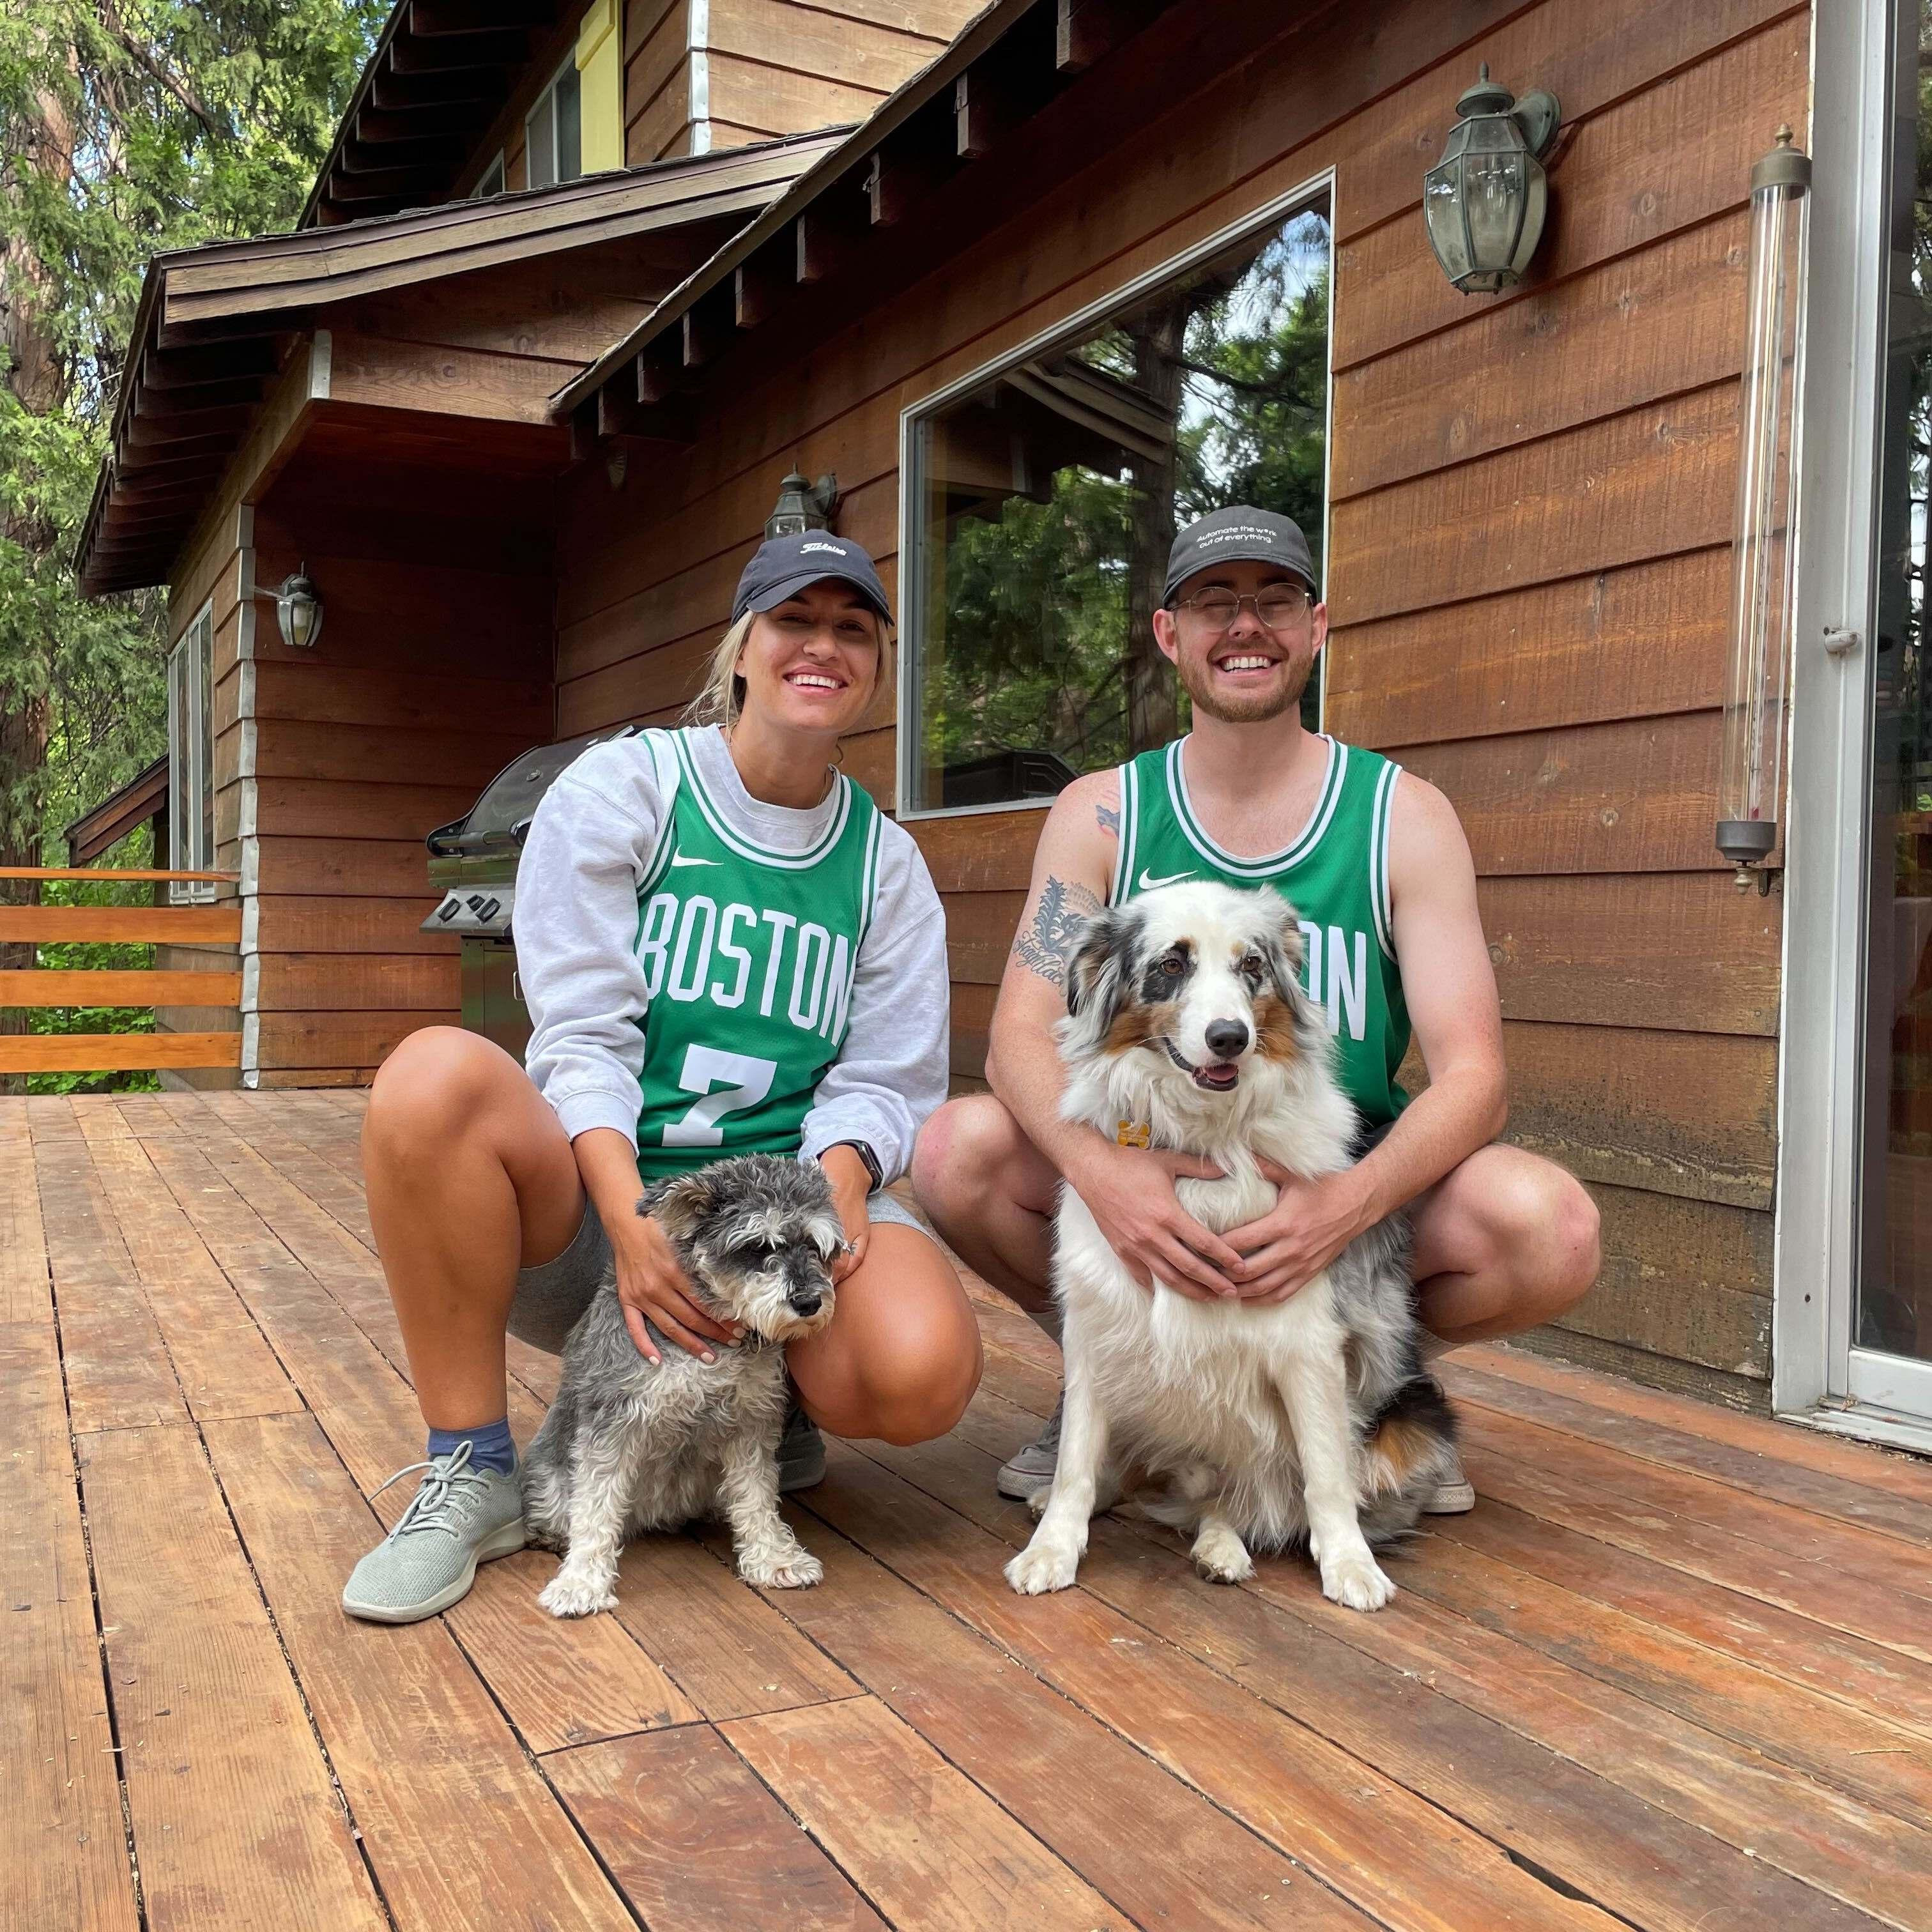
(489, 1446)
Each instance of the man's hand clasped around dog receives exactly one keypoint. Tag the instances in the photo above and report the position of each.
(1311, 1222)
(1129, 1192)
(650, 1283)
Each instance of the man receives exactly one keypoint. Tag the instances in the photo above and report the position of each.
(1376, 863)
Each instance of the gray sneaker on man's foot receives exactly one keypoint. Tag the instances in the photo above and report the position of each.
(1454, 1496)
(1031, 1471)
(801, 1451)
(459, 1517)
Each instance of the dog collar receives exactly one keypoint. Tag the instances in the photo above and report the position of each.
(1133, 1133)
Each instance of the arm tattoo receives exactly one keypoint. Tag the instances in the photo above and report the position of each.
(1043, 946)
(1110, 819)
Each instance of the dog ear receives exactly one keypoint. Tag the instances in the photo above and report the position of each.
(1095, 982)
(678, 1206)
(1284, 950)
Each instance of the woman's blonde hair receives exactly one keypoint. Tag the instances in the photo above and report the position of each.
(722, 695)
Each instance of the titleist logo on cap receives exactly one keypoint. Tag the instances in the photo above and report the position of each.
(837, 549)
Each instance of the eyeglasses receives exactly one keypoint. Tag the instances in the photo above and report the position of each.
(1277, 607)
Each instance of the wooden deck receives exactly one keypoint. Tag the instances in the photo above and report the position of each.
(1675, 1672)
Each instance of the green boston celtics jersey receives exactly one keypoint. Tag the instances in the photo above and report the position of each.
(1335, 875)
(748, 956)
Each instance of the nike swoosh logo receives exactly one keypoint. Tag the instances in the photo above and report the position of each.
(1149, 883)
(678, 859)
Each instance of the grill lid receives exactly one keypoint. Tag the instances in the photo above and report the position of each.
(499, 820)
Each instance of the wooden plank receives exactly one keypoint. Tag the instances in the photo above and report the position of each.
(123, 925)
(1867, 1466)
(1645, 640)
(314, 983)
(91, 872)
(1877, 1763)
(323, 1040)
(401, 700)
(63, 1860)
(467, 383)
(1619, 192)
(1648, 483)
(1644, 326)
(236, 1824)
(1889, 1618)
(351, 867)
(414, 1736)
(355, 810)
(1358, 1681)
(24, 1275)
(845, 47)
(1800, 1652)
(223, 1366)
(94, 1052)
(1755, 1472)
(975, 1707)
(710, 1849)
(46, 987)
(1852, 1553)
(928, 1847)
(117, 1373)
(292, 747)
(1687, 1279)
(316, 923)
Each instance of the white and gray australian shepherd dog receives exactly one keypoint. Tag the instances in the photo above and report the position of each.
(1308, 1423)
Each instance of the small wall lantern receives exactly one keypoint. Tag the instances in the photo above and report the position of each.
(1763, 553)
(803, 506)
(1484, 202)
(298, 610)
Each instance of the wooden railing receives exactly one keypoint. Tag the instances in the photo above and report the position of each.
(158, 925)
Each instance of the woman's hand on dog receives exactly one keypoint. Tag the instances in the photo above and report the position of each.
(650, 1283)
(1129, 1192)
(1311, 1222)
(851, 1186)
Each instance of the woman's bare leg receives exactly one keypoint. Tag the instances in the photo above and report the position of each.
(901, 1358)
(469, 1177)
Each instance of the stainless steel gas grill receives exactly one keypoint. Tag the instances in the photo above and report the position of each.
(474, 859)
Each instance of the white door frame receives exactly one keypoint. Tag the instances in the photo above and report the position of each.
(1817, 1376)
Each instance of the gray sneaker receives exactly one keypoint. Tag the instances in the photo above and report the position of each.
(1454, 1496)
(801, 1451)
(1031, 1471)
(459, 1517)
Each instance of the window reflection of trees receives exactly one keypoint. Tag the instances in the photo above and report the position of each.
(1053, 492)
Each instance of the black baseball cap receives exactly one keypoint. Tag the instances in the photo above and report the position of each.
(1239, 534)
(782, 566)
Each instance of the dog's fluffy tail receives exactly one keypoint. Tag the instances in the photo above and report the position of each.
(1410, 1448)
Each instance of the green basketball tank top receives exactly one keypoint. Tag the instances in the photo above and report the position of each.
(1335, 875)
(748, 956)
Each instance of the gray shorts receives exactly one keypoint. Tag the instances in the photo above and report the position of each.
(551, 1296)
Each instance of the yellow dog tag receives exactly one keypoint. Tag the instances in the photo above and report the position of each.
(1129, 1134)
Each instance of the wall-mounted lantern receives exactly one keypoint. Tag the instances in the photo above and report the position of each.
(298, 610)
(803, 506)
(1484, 202)
(1763, 552)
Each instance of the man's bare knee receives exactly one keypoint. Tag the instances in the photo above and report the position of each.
(1547, 1235)
(961, 1151)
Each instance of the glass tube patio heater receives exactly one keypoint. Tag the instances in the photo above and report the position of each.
(1764, 551)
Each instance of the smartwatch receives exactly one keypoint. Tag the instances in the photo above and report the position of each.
(872, 1160)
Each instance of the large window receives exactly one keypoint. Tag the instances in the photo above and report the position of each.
(1043, 497)
(191, 756)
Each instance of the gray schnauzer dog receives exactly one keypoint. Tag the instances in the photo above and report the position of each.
(628, 1447)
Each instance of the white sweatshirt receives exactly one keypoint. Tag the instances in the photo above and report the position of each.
(590, 846)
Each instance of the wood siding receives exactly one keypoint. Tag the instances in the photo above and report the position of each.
(1530, 503)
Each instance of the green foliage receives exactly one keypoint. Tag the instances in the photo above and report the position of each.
(131, 127)
(1034, 601)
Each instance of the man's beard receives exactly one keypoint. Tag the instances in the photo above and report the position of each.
(1197, 680)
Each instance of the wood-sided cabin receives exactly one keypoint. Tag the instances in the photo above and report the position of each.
(1079, 266)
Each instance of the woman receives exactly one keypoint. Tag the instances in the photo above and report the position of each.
(727, 949)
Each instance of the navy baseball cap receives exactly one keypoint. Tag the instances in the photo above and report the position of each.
(1238, 535)
(783, 566)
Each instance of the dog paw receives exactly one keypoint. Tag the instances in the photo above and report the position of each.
(1221, 1557)
(798, 1571)
(1354, 1578)
(568, 1596)
(1041, 1566)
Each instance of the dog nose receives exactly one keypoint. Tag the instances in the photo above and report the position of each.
(807, 1304)
(1226, 1038)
